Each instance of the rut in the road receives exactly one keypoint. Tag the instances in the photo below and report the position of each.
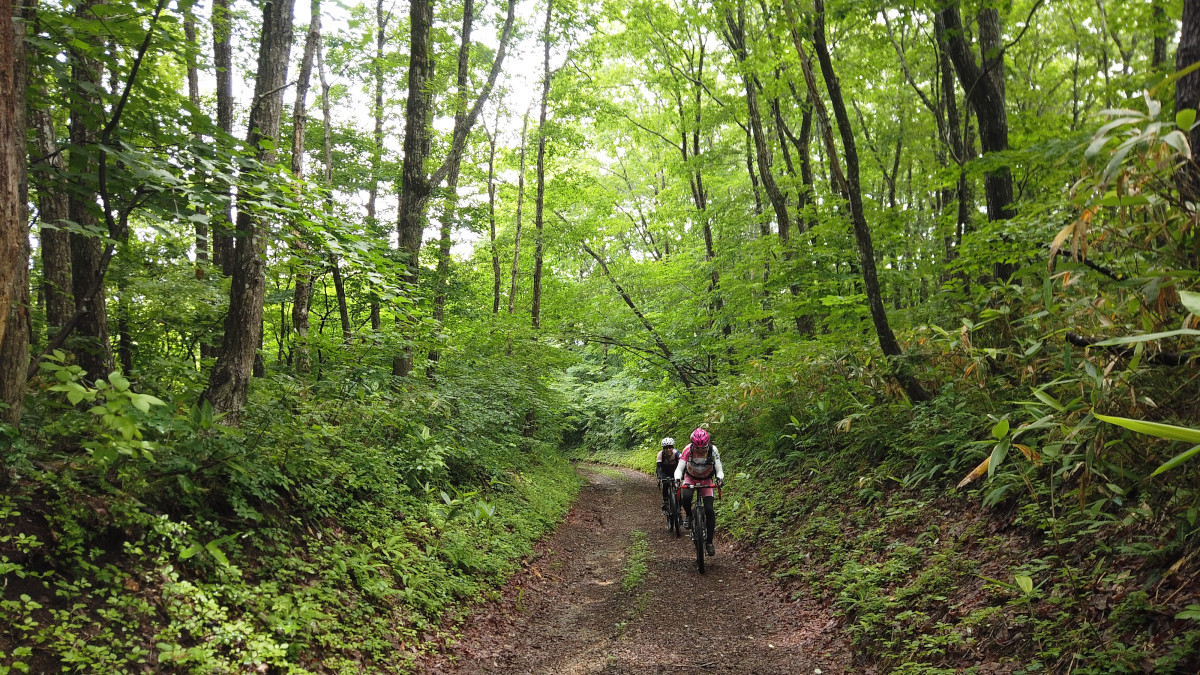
(568, 613)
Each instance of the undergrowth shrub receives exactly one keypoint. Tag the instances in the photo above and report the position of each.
(344, 525)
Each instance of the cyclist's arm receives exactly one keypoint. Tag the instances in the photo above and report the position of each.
(717, 461)
(679, 470)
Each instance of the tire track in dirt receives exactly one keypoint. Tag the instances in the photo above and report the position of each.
(567, 612)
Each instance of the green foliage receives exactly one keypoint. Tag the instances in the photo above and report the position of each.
(635, 561)
(329, 528)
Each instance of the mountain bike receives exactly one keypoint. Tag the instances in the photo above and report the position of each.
(699, 518)
(674, 514)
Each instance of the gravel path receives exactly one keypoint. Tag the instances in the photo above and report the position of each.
(567, 612)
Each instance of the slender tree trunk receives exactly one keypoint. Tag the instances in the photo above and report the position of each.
(92, 349)
(222, 225)
(416, 186)
(327, 178)
(377, 147)
(450, 206)
(124, 337)
(491, 190)
(736, 36)
(985, 91)
(954, 131)
(539, 221)
(764, 230)
(302, 293)
(14, 232)
(54, 214)
(850, 180)
(512, 291)
(339, 287)
(663, 349)
(193, 79)
(1163, 28)
(208, 349)
(230, 379)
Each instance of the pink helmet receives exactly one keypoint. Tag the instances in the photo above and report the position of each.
(700, 438)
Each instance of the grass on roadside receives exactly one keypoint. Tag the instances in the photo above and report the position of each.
(636, 562)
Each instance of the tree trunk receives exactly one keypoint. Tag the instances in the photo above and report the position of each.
(850, 180)
(327, 177)
(1187, 92)
(339, 287)
(491, 190)
(536, 311)
(414, 190)
(193, 79)
(377, 148)
(512, 291)
(54, 214)
(663, 349)
(1162, 27)
(302, 293)
(14, 231)
(450, 207)
(736, 36)
(985, 91)
(416, 186)
(954, 132)
(230, 379)
(222, 225)
(92, 349)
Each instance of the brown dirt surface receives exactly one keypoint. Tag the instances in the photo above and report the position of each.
(567, 612)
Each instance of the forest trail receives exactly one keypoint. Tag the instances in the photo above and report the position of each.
(567, 611)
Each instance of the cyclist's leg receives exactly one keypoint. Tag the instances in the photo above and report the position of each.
(687, 502)
(710, 518)
(666, 490)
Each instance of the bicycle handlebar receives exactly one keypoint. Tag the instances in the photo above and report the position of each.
(695, 486)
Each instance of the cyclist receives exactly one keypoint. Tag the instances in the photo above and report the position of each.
(700, 469)
(664, 468)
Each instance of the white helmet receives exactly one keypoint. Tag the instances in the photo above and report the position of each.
(668, 442)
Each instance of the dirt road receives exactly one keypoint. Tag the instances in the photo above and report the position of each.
(568, 612)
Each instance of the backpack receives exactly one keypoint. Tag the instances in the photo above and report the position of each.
(700, 468)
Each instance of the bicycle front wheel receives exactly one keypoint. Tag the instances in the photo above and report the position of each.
(674, 518)
(698, 530)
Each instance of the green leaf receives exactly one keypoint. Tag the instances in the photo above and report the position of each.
(1177, 460)
(189, 551)
(1190, 301)
(1192, 612)
(998, 454)
(1174, 76)
(1001, 429)
(1114, 199)
(1184, 119)
(1148, 337)
(104, 453)
(127, 427)
(216, 552)
(1160, 430)
(1025, 583)
(1114, 164)
(144, 401)
(1049, 400)
(1177, 140)
(118, 381)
